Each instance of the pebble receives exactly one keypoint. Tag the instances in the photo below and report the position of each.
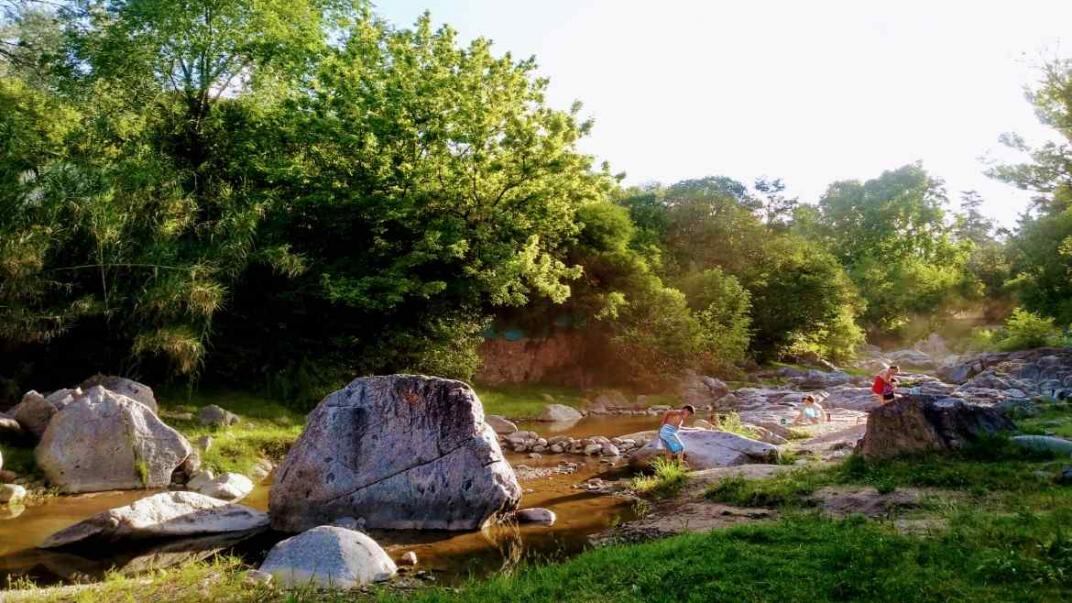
(409, 558)
(257, 577)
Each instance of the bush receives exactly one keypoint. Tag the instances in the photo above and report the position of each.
(669, 478)
(1025, 330)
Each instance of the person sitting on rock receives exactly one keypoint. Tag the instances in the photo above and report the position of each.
(811, 412)
(671, 424)
(885, 385)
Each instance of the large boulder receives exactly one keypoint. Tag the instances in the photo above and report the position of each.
(559, 413)
(138, 392)
(400, 452)
(918, 424)
(328, 557)
(34, 413)
(699, 390)
(705, 449)
(106, 441)
(164, 515)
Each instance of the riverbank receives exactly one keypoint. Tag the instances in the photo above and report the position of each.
(986, 524)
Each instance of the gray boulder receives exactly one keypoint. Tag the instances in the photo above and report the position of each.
(106, 441)
(557, 413)
(34, 413)
(918, 424)
(164, 515)
(501, 425)
(699, 390)
(328, 557)
(215, 416)
(705, 449)
(138, 392)
(402, 452)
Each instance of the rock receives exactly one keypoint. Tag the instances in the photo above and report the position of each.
(10, 428)
(501, 425)
(328, 557)
(557, 413)
(106, 441)
(593, 449)
(12, 494)
(709, 449)
(62, 397)
(850, 397)
(777, 429)
(765, 435)
(536, 515)
(1019, 408)
(1044, 444)
(261, 469)
(204, 443)
(164, 515)
(606, 401)
(408, 558)
(7, 477)
(403, 452)
(699, 390)
(216, 416)
(227, 486)
(916, 424)
(138, 392)
(703, 424)
(911, 358)
(815, 379)
(258, 578)
(34, 413)
(557, 448)
(1065, 477)
(610, 450)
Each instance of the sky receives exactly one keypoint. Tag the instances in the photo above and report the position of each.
(810, 92)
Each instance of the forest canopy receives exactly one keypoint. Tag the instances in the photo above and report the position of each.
(290, 193)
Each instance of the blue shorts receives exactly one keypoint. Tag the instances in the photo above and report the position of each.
(668, 434)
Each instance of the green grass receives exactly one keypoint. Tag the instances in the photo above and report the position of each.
(19, 459)
(526, 401)
(1055, 418)
(667, 479)
(267, 427)
(806, 559)
(732, 423)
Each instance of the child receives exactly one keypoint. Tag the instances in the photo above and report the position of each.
(811, 412)
(885, 386)
(672, 422)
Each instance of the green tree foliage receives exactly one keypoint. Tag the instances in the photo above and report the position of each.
(796, 293)
(278, 184)
(1042, 247)
(894, 237)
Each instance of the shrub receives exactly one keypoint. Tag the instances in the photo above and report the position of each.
(1025, 330)
(668, 479)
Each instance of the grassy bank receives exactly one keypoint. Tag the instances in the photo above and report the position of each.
(266, 429)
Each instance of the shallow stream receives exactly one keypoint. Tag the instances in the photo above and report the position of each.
(450, 556)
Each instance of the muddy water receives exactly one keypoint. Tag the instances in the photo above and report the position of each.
(452, 556)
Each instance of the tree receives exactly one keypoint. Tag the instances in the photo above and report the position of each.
(1042, 246)
(893, 237)
(777, 210)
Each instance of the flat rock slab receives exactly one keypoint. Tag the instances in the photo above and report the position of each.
(400, 452)
(328, 557)
(705, 449)
(164, 515)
